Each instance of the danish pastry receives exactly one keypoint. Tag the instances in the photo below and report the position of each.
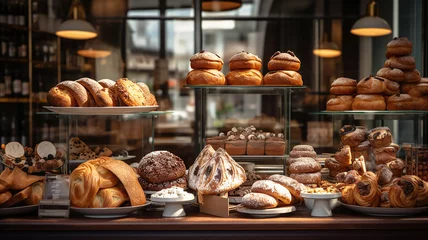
(404, 192)
(366, 192)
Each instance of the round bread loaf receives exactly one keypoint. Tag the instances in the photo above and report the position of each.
(393, 74)
(244, 60)
(412, 76)
(284, 61)
(343, 86)
(398, 46)
(391, 87)
(352, 135)
(161, 166)
(291, 160)
(244, 77)
(406, 87)
(106, 83)
(179, 182)
(303, 147)
(307, 178)
(206, 60)
(308, 165)
(340, 103)
(399, 102)
(401, 62)
(380, 137)
(371, 85)
(344, 156)
(205, 77)
(77, 90)
(272, 189)
(61, 97)
(258, 201)
(283, 78)
(304, 153)
(369, 102)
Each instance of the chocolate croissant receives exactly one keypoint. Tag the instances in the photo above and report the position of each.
(403, 192)
(366, 191)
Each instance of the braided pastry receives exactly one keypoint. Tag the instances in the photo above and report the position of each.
(84, 185)
(348, 194)
(366, 191)
(403, 192)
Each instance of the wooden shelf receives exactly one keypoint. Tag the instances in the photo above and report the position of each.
(14, 27)
(15, 100)
(14, 60)
(44, 65)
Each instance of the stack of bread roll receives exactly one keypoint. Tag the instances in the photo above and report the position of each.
(206, 69)
(283, 69)
(86, 92)
(303, 166)
(245, 69)
(343, 91)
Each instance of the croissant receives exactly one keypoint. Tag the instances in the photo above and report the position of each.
(384, 197)
(108, 179)
(366, 191)
(109, 198)
(422, 198)
(84, 185)
(347, 194)
(403, 192)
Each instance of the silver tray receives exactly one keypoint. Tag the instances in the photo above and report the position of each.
(108, 212)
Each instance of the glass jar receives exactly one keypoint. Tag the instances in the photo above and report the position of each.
(416, 160)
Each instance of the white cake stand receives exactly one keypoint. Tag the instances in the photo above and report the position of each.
(173, 206)
(321, 204)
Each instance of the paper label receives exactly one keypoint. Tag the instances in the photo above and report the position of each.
(55, 202)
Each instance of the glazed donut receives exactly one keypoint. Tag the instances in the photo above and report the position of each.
(205, 77)
(272, 189)
(343, 86)
(352, 135)
(245, 60)
(284, 61)
(399, 102)
(401, 62)
(283, 78)
(206, 60)
(307, 165)
(371, 85)
(61, 97)
(77, 90)
(404, 192)
(340, 103)
(398, 46)
(380, 137)
(393, 74)
(366, 192)
(258, 201)
(307, 178)
(412, 76)
(369, 102)
(244, 77)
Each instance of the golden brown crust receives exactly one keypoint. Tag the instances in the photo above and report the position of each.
(369, 102)
(61, 98)
(283, 78)
(380, 138)
(17, 198)
(4, 197)
(420, 103)
(412, 76)
(340, 103)
(343, 86)
(404, 192)
(401, 62)
(406, 87)
(284, 61)
(307, 178)
(245, 60)
(93, 87)
(421, 89)
(145, 88)
(206, 60)
(399, 102)
(104, 98)
(391, 87)
(244, 77)
(393, 74)
(36, 193)
(91, 100)
(371, 85)
(130, 93)
(109, 198)
(344, 156)
(84, 185)
(77, 90)
(205, 77)
(107, 83)
(398, 46)
(367, 192)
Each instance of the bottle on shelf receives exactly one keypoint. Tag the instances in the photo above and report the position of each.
(35, 13)
(2, 86)
(7, 81)
(22, 47)
(13, 130)
(4, 48)
(3, 12)
(22, 13)
(25, 86)
(23, 128)
(37, 55)
(10, 12)
(42, 94)
(45, 50)
(12, 47)
(17, 85)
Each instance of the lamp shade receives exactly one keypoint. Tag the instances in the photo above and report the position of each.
(220, 5)
(76, 29)
(327, 50)
(371, 26)
(95, 48)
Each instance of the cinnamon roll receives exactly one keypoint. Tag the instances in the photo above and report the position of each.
(84, 185)
(403, 192)
(366, 191)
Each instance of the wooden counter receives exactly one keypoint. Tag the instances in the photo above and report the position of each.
(344, 224)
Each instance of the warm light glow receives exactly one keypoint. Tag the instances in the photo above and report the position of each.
(75, 34)
(220, 5)
(327, 53)
(371, 32)
(93, 53)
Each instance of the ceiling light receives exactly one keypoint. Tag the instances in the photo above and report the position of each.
(371, 25)
(75, 28)
(327, 49)
(220, 5)
(95, 48)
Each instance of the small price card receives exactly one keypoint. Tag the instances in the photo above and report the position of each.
(56, 201)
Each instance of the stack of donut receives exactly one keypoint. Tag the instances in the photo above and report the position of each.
(206, 69)
(86, 92)
(303, 166)
(283, 69)
(244, 69)
(343, 91)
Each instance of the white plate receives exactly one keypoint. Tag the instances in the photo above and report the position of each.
(101, 110)
(386, 212)
(108, 212)
(320, 195)
(187, 198)
(10, 211)
(263, 213)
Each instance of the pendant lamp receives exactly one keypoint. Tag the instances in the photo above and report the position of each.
(371, 25)
(95, 48)
(220, 5)
(327, 49)
(76, 28)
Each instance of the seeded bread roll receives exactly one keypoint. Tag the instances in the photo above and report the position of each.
(284, 61)
(305, 166)
(61, 97)
(206, 60)
(344, 86)
(393, 74)
(401, 62)
(369, 102)
(77, 90)
(245, 60)
(399, 102)
(205, 77)
(340, 103)
(161, 166)
(371, 85)
(259, 201)
(398, 46)
(244, 77)
(272, 189)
